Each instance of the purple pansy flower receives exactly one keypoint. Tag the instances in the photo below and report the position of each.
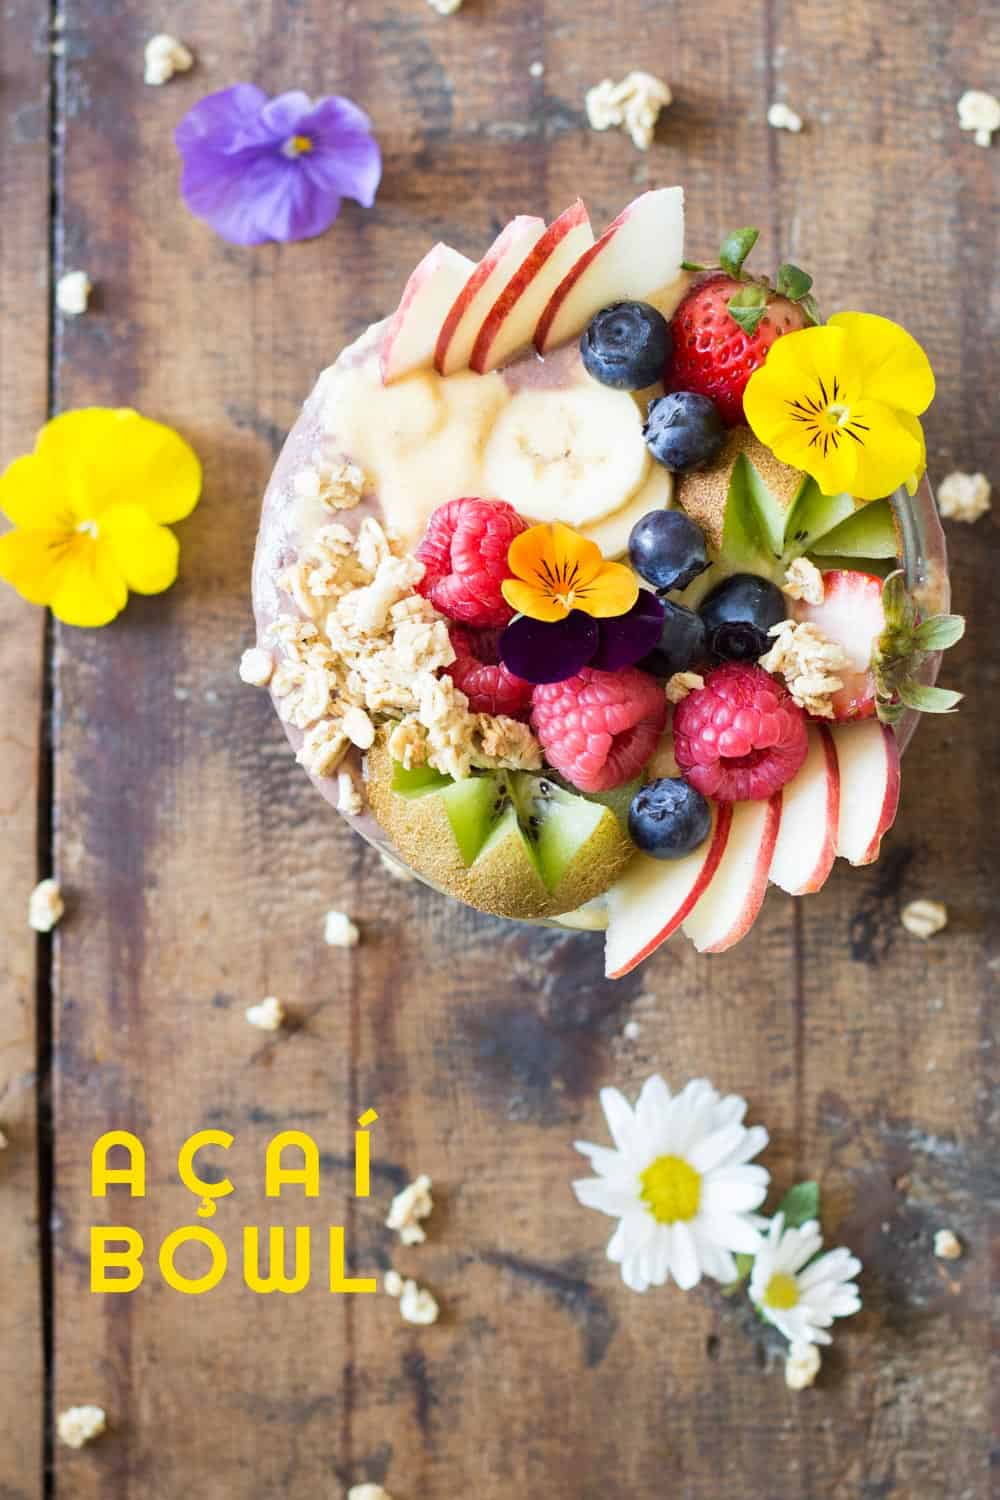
(552, 650)
(259, 169)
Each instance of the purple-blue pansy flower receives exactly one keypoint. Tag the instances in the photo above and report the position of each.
(259, 169)
(552, 650)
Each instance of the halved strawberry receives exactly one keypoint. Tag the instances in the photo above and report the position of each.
(852, 615)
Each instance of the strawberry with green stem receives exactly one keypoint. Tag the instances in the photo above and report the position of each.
(725, 325)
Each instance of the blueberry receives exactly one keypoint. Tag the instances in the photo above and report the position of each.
(684, 430)
(738, 614)
(668, 818)
(667, 549)
(681, 644)
(627, 346)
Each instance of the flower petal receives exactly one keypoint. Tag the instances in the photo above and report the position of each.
(621, 1121)
(228, 120)
(547, 650)
(684, 1266)
(101, 456)
(529, 600)
(890, 454)
(346, 159)
(146, 554)
(89, 589)
(613, 591)
(33, 562)
(31, 497)
(894, 368)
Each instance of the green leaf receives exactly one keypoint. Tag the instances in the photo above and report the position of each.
(897, 606)
(692, 265)
(744, 1265)
(889, 712)
(748, 306)
(939, 632)
(800, 1204)
(810, 307)
(792, 282)
(928, 700)
(735, 248)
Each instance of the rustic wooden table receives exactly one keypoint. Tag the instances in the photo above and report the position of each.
(198, 861)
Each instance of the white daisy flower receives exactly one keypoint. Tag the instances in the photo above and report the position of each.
(803, 1302)
(678, 1183)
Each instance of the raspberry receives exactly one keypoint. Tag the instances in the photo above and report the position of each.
(599, 729)
(740, 737)
(464, 551)
(478, 672)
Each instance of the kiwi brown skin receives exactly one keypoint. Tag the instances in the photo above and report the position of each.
(496, 883)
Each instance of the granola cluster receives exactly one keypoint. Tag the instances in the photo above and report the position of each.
(808, 662)
(803, 580)
(368, 649)
(338, 483)
(634, 104)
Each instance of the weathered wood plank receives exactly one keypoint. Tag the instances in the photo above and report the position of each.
(204, 863)
(24, 206)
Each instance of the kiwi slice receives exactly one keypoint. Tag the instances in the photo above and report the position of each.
(759, 515)
(510, 843)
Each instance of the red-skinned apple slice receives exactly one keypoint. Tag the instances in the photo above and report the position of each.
(511, 321)
(464, 320)
(807, 838)
(728, 908)
(653, 897)
(412, 334)
(635, 256)
(868, 757)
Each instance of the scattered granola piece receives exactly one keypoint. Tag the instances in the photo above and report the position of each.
(802, 1366)
(269, 1015)
(925, 918)
(808, 662)
(80, 1424)
(256, 667)
(964, 497)
(349, 796)
(339, 485)
(682, 683)
(339, 931)
(803, 580)
(165, 56)
(394, 868)
(359, 728)
(980, 113)
(408, 1208)
(631, 1031)
(73, 293)
(417, 1305)
(947, 1245)
(537, 69)
(323, 748)
(445, 7)
(393, 1283)
(780, 117)
(635, 103)
(45, 906)
(368, 1492)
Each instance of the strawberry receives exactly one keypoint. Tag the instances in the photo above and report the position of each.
(724, 326)
(852, 615)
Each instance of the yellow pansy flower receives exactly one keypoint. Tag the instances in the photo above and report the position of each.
(557, 570)
(87, 508)
(841, 401)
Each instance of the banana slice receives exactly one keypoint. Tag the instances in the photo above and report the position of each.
(574, 455)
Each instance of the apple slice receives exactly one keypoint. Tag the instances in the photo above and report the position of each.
(868, 757)
(635, 256)
(463, 322)
(728, 908)
(807, 838)
(511, 321)
(653, 897)
(412, 334)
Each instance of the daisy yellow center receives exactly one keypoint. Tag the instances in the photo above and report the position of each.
(827, 416)
(781, 1292)
(298, 145)
(671, 1189)
(88, 528)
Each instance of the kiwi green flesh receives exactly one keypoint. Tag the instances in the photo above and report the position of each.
(510, 843)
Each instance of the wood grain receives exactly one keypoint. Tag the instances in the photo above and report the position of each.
(24, 238)
(202, 863)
